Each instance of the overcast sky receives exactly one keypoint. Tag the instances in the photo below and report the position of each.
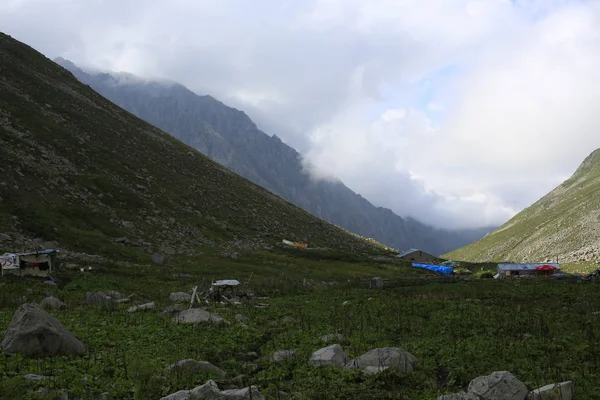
(457, 112)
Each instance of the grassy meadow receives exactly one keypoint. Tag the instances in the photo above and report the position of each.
(540, 330)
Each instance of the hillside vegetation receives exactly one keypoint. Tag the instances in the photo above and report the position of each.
(87, 176)
(564, 224)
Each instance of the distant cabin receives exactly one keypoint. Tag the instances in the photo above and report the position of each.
(416, 255)
(529, 270)
(31, 263)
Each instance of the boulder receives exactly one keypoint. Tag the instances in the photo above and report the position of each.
(158, 258)
(180, 297)
(555, 391)
(459, 396)
(142, 307)
(289, 320)
(333, 337)
(241, 318)
(376, 282)
(34, 377)
(331, 355)
(283, 355)
(499, 385)
(385, 357)
(115, 295)
(52, 303)
(195, 367)
(172, 310)
(98, 298)
(210, 391)
(34, 332)
(250, 393)
(197, 316)
(181, 395)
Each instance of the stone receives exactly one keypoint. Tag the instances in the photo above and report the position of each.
(459, 396)
(241, 318)
(194, 367)
(289, 320)
(52, 303)
(283, 355)
(399, 359)
(142, 307)
(181, 395)
(250, 393)
(123, 301)
(34, 332)
(4, 237)
(499, 385)
(97, 298)
(333, 337)
(331, 355)
(554, 391)
(115, 295)
(180, 297)
(158, 258)
(197, 316)
(172, 310)
(35, 377)
(376, 282)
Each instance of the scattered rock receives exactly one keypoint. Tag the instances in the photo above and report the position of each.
(554, 391)
(172, 310)
(180, 297)
(123, 301)
(346, 303)
(97, 298)
(210, 391)
(195, 367)
(331, 355)
(289, 320)
(35, 377)
(383, 358)
(34, 332)
(197, 316)
(241, 318)
(282, 395)
(333, 337)
(142, 307)
(52, 303)
(283, 355)
(158, 258)
(115, 295)
(498, 385)
(376, 282)
(4, 237)
(459, 396)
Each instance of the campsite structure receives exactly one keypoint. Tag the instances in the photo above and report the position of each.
(40, 263)
(529, 270)
(416, 255)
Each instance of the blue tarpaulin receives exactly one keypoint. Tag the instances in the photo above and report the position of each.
(437, 268)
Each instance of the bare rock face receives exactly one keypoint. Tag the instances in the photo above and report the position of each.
(499, 385)
(380, 359)
(34, 332)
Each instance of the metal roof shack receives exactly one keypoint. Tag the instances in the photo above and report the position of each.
(34, 263)
(531, 270)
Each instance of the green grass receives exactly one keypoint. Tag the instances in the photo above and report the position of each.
(541, 330)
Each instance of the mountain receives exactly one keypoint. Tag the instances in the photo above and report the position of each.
(229, 137)
(78, 170)
(564, 224)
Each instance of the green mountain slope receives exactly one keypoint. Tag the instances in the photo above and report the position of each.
(80, 171)
(231, 138)
(565, 224)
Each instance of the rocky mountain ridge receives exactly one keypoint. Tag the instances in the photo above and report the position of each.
(229, 136)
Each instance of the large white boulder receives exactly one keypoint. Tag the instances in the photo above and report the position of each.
(34, 332)
(330, 355)
(383, 358)
(499, 385)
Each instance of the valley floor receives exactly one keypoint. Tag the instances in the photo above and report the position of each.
(542, 331)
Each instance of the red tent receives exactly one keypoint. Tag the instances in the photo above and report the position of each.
(545, 267)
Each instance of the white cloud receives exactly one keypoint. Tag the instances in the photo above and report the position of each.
(457, 112)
